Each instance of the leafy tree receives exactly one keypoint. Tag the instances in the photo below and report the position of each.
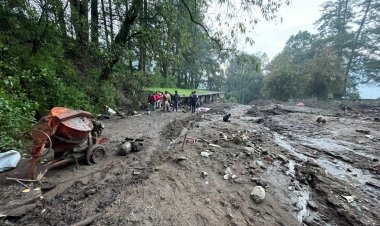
(244, 78)
(350, 28)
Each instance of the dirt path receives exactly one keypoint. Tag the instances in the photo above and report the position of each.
(305, 168)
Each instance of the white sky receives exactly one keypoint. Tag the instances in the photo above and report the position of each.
(270, 37)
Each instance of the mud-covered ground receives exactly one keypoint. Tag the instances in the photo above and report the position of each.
(313, 174)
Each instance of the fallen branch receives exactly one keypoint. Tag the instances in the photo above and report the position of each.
(17, 179)
(86, 221)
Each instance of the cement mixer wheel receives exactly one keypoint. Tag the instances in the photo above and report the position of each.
(95, 154)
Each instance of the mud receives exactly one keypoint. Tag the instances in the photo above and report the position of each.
(306, 169)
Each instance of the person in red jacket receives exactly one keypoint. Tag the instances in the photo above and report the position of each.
(152, 101)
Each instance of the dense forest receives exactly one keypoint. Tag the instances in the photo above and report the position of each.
(86, 53)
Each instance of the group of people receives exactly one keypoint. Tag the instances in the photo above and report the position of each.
(166, 101)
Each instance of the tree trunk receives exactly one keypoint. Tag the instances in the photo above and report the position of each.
(105, 24)
(142, 58)
(79, 20)
(121, 38)
(357, 36)
(111, 18)
(94, 23)
(60, 11)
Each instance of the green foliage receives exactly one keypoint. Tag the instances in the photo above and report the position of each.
(244, 78)
(16, 117)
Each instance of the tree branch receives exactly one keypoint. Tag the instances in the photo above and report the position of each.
(201, 25)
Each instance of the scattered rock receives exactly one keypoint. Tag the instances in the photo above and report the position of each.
(261, 164)
(90, 191)
(239, 181)
(205, 154)
(264, 152)
(223, 136)
(282, 158)
(226, 177)
(204, 174)
(349, 198)
(207, 200)
(125, 148)
(258, 194)
(312, 205)
(375, 160)
(181, 158)
(349, 170)
(259, 181)
(258, 119)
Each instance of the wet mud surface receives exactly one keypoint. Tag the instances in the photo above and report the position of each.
(313, 174)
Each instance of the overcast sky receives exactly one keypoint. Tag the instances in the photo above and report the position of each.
(270, 37)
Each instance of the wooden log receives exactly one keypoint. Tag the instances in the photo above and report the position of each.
(18, 211)
(20, 202)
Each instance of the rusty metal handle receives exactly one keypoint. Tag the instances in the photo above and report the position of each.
(48, 137)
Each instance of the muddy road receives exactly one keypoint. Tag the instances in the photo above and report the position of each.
(313, 174)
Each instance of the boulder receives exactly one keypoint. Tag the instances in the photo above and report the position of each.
(258, 194)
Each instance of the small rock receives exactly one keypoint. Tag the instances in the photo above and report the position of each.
(312, 205)
(226, 177)
(335, 161)
(205, 154)
(204, 174)
(233, 176)
(375, 160)
(239, 180)
(297, 187)
(258, 194)
(228, 170)
(261, 164)
(264, 152)
(282, 158)
(181, 158)
(349, 198)
(349, 170)
(244, 172)
(259, 181)
(90, 191)
(207, 200)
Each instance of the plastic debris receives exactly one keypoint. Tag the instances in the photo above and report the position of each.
(9, 160)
